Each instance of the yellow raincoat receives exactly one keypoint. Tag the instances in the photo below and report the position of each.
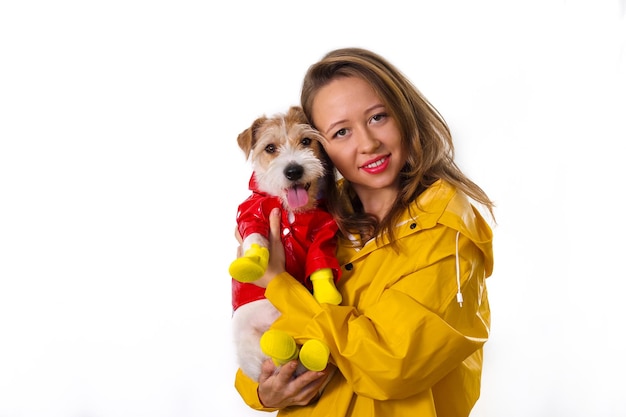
(404, 342)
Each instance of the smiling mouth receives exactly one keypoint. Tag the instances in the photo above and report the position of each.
(376, 163)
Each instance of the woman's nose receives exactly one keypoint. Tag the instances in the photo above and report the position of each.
(367, 141)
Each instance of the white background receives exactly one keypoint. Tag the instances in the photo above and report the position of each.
(120, 176)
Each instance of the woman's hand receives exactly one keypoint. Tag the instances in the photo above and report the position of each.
(276, 264)
(280, 389)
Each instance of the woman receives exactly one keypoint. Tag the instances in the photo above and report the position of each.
(415, 252)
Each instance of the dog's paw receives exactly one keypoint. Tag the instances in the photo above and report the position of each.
(279, 346)
(314, 355)
(324, 289)
(251, 266)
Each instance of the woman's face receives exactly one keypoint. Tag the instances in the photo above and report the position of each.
(362, 139)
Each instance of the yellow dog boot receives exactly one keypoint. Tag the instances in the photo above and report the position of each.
(314, 355)
(251, 266)
(279, 346)
(324, 289)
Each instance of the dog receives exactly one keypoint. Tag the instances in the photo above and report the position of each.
(288, 173)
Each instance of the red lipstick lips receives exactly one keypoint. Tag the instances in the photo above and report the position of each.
(377, 165)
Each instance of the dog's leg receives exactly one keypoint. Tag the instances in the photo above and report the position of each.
(282, 348)
(249, 323)
(324, 289)
(279, 346)
(252, 265)
(314, 355)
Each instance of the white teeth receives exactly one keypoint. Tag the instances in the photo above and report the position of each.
(376, 164)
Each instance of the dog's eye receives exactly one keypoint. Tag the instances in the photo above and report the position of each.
(306, 141)
(271, 148)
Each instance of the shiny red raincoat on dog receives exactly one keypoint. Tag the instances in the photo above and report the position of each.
(309, 241)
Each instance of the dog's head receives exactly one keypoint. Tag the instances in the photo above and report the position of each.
(285, 154)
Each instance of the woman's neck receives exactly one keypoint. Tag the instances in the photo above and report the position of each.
(377, 202)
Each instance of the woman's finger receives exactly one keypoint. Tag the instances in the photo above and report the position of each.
(276, 264)
(277, 250)
(275, 227)
(278, 388)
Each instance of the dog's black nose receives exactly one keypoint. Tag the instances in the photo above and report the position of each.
(293, 172)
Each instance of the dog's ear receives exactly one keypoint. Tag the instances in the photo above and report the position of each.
(248, 137)
(297, 114)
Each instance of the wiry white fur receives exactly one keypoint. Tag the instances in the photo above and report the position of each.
(254, 238)
(250, 321)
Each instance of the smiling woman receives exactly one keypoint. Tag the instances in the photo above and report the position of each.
(415, 254)
(120, 177)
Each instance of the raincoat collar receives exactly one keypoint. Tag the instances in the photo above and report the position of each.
(441, 203)
(254, 186)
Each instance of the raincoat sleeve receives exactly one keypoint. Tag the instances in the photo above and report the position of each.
(253, 214)
(247, 388)
(412, 336)
(321, 252)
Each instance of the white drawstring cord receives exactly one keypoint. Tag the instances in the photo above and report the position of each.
(459, 296)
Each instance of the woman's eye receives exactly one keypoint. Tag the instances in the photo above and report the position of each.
(271, 148)
(341, 133)
(379, 117)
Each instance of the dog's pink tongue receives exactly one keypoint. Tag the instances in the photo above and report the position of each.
(297, 197)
